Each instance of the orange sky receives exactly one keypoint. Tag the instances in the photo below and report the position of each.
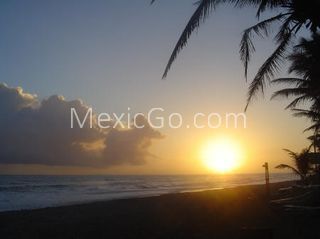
(112, 57)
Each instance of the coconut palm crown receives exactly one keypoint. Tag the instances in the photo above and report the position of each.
(294, 15)
(305, 63)
(301, 162)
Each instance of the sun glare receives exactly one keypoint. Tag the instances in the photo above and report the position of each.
(221, 156)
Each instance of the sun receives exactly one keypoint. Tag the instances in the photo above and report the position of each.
(221, 156)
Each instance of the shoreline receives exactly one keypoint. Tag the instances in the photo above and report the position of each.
(207, 214)
(151, 195)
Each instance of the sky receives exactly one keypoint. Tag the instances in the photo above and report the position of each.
(111, 55)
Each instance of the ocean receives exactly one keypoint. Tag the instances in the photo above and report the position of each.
(31, 192)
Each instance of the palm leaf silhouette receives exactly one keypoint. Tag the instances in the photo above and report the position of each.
(246, 45)
(301, 161)
(268, 68)
(286, 166)
(295, 15)
(200, 14)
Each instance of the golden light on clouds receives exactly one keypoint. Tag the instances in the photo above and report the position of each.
(222, 155)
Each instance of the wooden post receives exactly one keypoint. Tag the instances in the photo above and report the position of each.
(266, 171)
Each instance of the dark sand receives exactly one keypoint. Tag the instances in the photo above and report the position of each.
(208, 214)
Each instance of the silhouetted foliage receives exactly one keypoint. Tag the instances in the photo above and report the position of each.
(305, 63)
(315, 142)
(301, 162)
(294, 15)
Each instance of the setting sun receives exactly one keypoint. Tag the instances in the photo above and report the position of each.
(221, 156)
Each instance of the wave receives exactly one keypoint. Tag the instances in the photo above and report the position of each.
(27, 192)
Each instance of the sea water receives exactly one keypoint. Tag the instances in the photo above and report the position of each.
(30, 192)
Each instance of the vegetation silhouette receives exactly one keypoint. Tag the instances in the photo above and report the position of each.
(305, 63)
(295, 15)
(315, 142)
(301, 162)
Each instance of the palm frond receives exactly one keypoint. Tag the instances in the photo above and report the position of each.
(246, 45)
(314, 127)
(288, 80)
(291, 153)
(301, 161)
(313, 115)
(268, 68)
(269, 4)
(260, 3)
(261, 8)
(286, 166)
(202, 12)
(284, 28)
(289, 92)
(297, 101)
(246, 3)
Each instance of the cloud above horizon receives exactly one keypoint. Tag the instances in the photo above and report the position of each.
(34, 131)
(134, 144)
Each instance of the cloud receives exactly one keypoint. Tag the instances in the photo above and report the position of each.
(130, 146)
(14, 99)
(39, 132)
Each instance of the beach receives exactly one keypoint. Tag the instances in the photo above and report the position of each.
(224, 213)
(119, 121)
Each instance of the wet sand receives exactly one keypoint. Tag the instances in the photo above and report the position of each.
(241, 212)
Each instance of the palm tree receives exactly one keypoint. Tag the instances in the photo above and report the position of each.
(315, 142)
(314, 116)
(305, 62)
(294, 15)
(301, 161)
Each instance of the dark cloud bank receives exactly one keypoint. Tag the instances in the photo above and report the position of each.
(39, 132)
